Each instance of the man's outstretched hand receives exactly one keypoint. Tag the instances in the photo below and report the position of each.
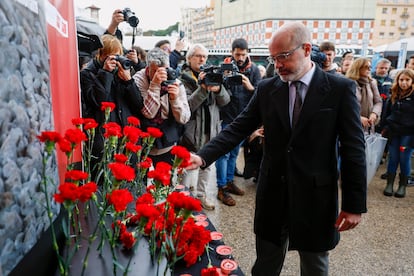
(195, 162)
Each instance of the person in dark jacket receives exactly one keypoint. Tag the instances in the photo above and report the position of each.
(297, 204)
(204, 99)
(240, 94)
(399, 128)
(175, 55)
(104, 79)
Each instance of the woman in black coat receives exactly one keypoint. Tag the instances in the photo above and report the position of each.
(399, 128)
(107, 78)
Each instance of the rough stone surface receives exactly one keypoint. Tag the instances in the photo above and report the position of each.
(25, 111)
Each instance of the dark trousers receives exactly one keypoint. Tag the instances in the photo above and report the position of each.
(270, 258)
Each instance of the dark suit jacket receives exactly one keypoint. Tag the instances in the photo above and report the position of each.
(298, 181)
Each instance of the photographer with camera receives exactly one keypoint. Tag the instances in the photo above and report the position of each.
(204, 98)
(240, 94)
(175, 55)
(107, 78)
(165, 103)
(125, 15)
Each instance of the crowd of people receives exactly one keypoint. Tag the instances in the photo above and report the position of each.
(295, 119)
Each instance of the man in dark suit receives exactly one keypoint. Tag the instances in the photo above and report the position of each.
(297, 192)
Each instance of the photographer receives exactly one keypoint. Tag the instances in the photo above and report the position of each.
(107, 78)
(125, 15)
(240, 96)
(165, 103)
(204, 99)
(175, 55)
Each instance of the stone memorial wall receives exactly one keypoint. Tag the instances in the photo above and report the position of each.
(25, 111)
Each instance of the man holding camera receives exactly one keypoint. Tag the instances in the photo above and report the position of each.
(240, 94)
(165, 103)
(205, 96)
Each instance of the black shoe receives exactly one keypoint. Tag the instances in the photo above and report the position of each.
(384, 176)
(238, 173)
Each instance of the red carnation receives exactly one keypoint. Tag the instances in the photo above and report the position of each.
(132, 133)
(105, 105)
(146, 164)
(77, 121)
(89, 123)
(127, 239)
(67, 191)
(211, 271)
(120, 199)
(75, 136)
(120, 158)
(86, 191)
(181, 152)
(133, 121)
(182, 201)
(154, 132)
(132, 147)
(112, 129)
(402, 148)
(65, 145)
(76, 175)
(122, 172)
(49, 136)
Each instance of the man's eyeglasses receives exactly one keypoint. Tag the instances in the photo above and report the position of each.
(200, 56)
(282, 56)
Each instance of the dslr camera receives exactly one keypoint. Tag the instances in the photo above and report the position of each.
(171, 77)
(125, 62)
(129, 16)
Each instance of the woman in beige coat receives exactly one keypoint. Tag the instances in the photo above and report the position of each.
(367, 92)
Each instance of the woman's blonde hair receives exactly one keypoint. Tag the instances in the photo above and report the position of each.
(111, 45)
(396, 91)
(354, 71)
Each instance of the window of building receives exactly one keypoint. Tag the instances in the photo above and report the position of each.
(384, 10)
(392, 23)
(394, 11)
(381, 35)
(382, 22)
(391, 34)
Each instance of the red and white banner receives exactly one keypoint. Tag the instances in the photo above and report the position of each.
(64, 74)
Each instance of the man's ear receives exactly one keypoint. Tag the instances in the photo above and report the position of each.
(308, 48)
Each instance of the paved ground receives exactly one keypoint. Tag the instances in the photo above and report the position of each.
(383, 244)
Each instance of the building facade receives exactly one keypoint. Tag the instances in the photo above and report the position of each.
(342, 22)
(394, 20)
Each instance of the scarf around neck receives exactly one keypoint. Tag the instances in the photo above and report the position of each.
(366, 103)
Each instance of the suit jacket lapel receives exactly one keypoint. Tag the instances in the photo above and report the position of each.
(280, 96)
(318, 89)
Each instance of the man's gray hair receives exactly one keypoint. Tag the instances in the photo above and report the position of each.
(384, 60)
(158, 57)
(193, 49)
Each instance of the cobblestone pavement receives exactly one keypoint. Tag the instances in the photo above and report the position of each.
(383, 244)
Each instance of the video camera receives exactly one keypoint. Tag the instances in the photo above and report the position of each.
(217, 75)
(317, 56)
(129, 16)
